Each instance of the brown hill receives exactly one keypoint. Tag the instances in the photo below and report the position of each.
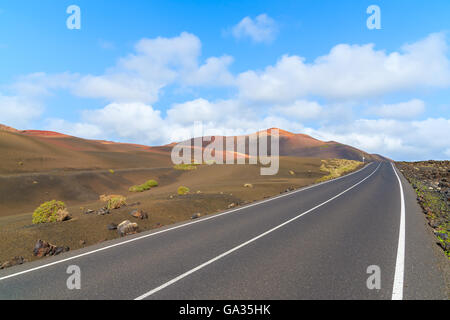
(303, 146)
(41, 151)
(38, 151)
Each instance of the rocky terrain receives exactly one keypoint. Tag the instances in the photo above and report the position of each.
(430, 180)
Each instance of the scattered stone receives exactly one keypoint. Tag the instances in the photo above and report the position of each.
(43, 249)
(58, 250)
(292, 173)
(443, 236)
(445, 246)
(434, 224)
(112, 226)
(196, 216)
(126, 228)
(82, 242)
(139, 214)
(248, 185)
(232, 205)
(14, 262)
(89, 211)
(103, 211)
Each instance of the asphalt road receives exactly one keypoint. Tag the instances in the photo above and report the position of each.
(314, 243)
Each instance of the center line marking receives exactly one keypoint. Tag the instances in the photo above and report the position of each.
(184, 275)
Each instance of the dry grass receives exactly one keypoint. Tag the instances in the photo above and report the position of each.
(183, 190)
(144, 187)
(337, 167)
(113, 201)
(185, 167)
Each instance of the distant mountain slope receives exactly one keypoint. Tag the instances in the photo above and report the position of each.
(304, 146)
(36, 151)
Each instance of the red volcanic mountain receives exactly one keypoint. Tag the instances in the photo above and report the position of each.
(304, 146)
(35, 151)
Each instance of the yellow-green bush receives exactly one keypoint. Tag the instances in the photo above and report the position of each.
(144, 187)
(186, 167)
(114, 201)
(183, 190)
(337, 167)
(48, 211)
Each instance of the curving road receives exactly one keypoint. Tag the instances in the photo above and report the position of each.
(314, 243)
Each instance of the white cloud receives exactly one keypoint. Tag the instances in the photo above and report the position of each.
(156, 63)
(351, 72)
(213, 73)
(24, 100)
(18, 111)
(285, 95)
(401, 140)
(300, 110)
(79, 129)
(403, 110)
(41, 84)
(262, 29)
(191, 111)
(132, 121)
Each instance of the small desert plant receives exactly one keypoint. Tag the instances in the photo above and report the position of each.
(50, 211)
(183, 190)
(337, 167)
(144, 187)
(113, 201)
(185, 167)
(111, 171)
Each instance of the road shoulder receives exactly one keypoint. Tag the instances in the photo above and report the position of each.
(427, 270)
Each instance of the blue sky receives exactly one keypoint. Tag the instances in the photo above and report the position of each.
(146, 70)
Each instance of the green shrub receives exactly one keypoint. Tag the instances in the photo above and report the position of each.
(116, 202)
(183, 190)
(48, 212)
(337, 168)
(144, 187)
(186, 167)
(111, 171)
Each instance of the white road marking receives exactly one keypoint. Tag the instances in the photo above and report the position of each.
(184, 275)
(174, 228)
(397, 292)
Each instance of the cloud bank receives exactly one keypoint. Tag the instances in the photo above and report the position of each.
(339, 96)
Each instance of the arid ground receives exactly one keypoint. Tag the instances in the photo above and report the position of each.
(37, 166)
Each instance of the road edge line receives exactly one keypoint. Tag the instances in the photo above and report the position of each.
(397, 291)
